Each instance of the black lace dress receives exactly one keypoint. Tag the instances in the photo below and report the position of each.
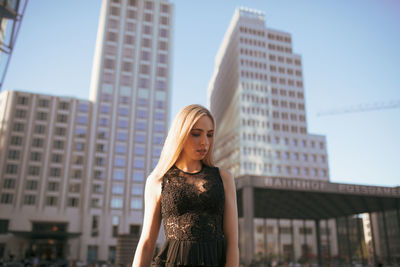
(192, 208)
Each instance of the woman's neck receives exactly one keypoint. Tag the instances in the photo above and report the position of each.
(188, 165)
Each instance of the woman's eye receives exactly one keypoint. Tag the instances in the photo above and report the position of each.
(209, 135)
(195, 134)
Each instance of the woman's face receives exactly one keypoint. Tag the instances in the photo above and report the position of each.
(200, 139)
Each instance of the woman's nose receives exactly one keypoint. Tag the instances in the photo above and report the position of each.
(204, 140)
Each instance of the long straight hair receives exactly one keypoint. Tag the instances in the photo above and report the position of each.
(177, 136)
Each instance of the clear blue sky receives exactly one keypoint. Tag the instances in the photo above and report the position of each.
(350, 53)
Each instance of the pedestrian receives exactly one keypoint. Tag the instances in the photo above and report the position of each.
(195, 200)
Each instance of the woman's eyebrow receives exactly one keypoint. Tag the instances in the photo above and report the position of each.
(198, 129)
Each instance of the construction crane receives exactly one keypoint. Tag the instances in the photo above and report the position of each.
(361, 108)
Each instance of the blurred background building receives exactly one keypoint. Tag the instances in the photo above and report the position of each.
(257, 97)
(11, 15)
(73, 171)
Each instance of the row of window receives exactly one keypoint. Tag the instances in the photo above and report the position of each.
(282, 70)
(130, 27)
(284, 155)
(256, 99)
(45, 103)
(281, 59)
(251, 31)
(280, 48)
(8, 198)
(143, 81)
(280, 38)
(273, 79)
(283, 140)
(285, 170)
(249, 41)
(148, 5)
(253, 53)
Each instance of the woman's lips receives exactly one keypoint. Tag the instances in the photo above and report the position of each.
(202, 151)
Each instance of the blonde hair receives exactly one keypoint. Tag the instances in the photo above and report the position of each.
(177, 136)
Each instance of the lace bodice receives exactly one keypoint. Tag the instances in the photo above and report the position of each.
(192, 204)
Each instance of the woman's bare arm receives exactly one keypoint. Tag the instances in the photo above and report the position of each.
(231, 229)
(151, 223)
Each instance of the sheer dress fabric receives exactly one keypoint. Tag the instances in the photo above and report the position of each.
(192, 208)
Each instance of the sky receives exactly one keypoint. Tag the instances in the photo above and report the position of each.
(349, 49)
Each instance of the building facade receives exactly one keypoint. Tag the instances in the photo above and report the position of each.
(257, 97)
(130, 92)
(43, 157)
(80, 168)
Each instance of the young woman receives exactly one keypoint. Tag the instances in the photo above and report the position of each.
(195, 200)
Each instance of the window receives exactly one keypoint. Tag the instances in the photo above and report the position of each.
(53, 186)
(12, 169)
(80, 146)
(118, 189)
(138, 176)
(136, 203)
(101, 147)
(56, 158)
(62, 118)
(6, 198)
(102, 134)
(9, 183)
(122, 111)
(29, 200)
(55, 172)
(60, 131)
(131, 15)
(16, 140)
(139, 150)
(122, 136)
(119, 162)
(160, 116)
(164, 8)
(83, 107)
(80, 132)
(95, 225)
(116, 202)
(140, 138)
(120, 149)
(92, 253)
(51, 201)
(98, 174)
(20, 113)
(73, 202)
(119, 175)
(42, 116)
(138, 163)
(40, 129)
(31, 184)
(74, 188)
(98, 188)
(58, 144)
(81, 119)
(14, 154)
(137, 189)
(18, 127)
(64, 105)
(22, 100)
(122, 124)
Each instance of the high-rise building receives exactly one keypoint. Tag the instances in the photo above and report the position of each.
(130, 91)
(257, 97)
(73, 171)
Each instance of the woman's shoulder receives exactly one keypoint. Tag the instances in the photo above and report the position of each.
(225, 174)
